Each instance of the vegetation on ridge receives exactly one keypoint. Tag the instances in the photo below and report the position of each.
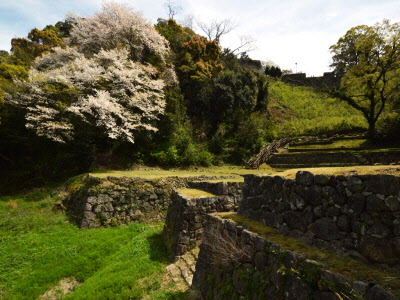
(85, 93)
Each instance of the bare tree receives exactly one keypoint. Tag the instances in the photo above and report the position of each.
(172, 8)
(247, 44)
(217, 28)
(188, 21)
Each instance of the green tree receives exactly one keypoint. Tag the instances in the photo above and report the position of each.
(370, 58)
(38, 42)
(62, 28)
(273, 71)
(235, 94)
(176, 34)
(200, 59)
(10, 70)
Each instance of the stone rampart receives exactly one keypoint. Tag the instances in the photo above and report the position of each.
(113, 201)
(233, 189)
(327, 81)
(358, 215)
(183, 229)
(235, 263)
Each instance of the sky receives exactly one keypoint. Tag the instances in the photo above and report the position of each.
(294, 34)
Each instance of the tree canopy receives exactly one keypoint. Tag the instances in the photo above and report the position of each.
(104, 78)
(117, 25)
(273, 71)
(37, 43)
(102, 91)
(370, 58)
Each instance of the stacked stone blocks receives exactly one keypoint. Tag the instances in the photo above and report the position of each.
(186, 217)
(113, 201)
(357, 215)
(265, 271)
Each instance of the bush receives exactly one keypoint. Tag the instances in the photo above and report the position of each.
(389, 126)
(236, 144)
(196, 155)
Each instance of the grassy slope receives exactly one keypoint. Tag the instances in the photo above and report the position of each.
(302, 111)
(38, 248)
(341, 144)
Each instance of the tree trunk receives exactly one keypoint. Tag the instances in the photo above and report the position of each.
(371, 129)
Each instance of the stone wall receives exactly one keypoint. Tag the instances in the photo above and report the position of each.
(327, 81)
(235, 263)
(344, 157)
(113, 201)
(186, 216)
(358, 216)
(233, 189)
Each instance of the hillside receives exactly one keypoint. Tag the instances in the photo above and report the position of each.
(299, 110)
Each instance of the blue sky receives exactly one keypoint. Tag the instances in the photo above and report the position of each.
(286, 31)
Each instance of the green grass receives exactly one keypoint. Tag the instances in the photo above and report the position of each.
(194, 193)
(388, 278)
(153, 173)
(335, 145)
(349, 170)
(348, 145)
(302, 111)
(227, 180)
(39, 247)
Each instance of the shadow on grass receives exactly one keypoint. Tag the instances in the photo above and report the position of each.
(158, 250)
(178, 295)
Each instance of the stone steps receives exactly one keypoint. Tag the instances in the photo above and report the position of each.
(184, 267)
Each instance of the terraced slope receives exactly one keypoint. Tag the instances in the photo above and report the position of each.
(334, 153)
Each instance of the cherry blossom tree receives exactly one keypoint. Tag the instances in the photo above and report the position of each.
(117, 25)
(107, 77)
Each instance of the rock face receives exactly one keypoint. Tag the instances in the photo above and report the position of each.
(234, 263)
(341, 213)
(113, 201)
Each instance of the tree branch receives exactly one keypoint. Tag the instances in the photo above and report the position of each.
(217, 28)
